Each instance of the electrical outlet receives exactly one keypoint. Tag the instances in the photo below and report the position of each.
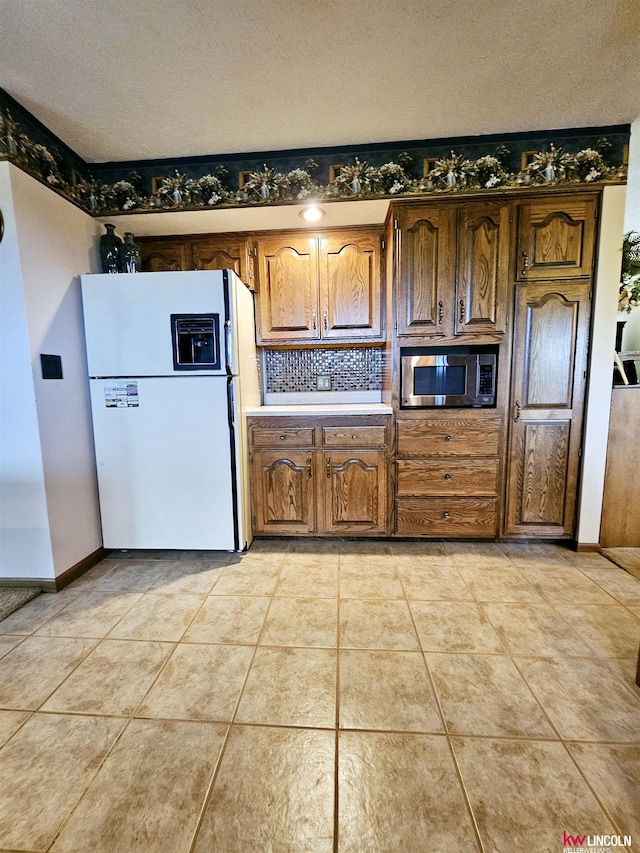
(323, 383)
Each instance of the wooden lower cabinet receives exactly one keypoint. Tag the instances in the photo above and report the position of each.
(446, 517)
(355, 494)
(547, 403)
(447, 476)
(283, 491)
(320, 477)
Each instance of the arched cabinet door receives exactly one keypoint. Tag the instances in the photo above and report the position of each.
(160, 255)
(223, 253)
(350, 285)
(547, 402)
(482, 268)
(425, 241)
(288, 291)
(283, 491)
(355, 490)
(556, 238)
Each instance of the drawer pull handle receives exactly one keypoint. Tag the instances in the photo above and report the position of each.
(440, 313)
(309, 467)
(354, 436)
(525, 263)
(325, 319)
(517, 417)
(461, 311)
(283, 438)
(447, 476)
(447, 438)
(445, 515)
(328, 467)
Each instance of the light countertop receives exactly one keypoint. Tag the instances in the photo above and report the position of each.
(303, 410)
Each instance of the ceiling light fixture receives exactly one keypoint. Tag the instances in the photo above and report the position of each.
(312, 213)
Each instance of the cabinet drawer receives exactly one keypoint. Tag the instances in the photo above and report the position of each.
(364, 436)
(282, 437)
(446, 517)
(466, 477)
(448, 438)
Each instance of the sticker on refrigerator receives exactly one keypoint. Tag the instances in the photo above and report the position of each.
(121, 395)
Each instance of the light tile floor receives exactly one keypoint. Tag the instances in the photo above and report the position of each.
(360, 697)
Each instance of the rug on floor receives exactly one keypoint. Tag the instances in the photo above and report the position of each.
(627, 558)
(11, 598)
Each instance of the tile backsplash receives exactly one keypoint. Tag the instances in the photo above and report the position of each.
(295, 370)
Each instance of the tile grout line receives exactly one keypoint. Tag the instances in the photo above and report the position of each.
(465, 795)
(336, 754)
(605, 811)
(223, 749)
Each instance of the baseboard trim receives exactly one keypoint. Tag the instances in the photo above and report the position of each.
(79, 569)
(588, 547)
(67, 577)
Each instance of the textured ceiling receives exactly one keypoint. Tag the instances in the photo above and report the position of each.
(130, 80)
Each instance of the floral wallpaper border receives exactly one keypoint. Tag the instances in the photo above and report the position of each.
(210, 182)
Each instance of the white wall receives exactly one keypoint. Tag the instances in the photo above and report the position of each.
(56, 243)
(631, 336)
(25, 547)
(604, 317)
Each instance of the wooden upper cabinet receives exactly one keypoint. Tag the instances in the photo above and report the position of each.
(426, 238)
(320, 287)
(164, 255)
(210, 252)
(223, 253)
(288, 292)
(350, 285)
(453, 268)
(556, 238)
(482, 268)
(550, 335)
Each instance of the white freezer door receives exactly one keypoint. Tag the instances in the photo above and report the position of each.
(127, 319)
(164, 465)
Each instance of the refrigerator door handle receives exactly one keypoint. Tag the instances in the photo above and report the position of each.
(228, 346)
(234, 470)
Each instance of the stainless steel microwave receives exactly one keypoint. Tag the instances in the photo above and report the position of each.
(444, 379)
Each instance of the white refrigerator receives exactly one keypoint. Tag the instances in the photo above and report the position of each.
(173, 368)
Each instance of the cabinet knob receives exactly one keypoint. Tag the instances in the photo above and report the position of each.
(354, 436)
(447, 438)
(283, 438)
(445, 515)
(447, 476)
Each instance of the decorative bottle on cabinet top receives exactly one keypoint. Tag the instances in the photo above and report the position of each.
(130, 254)
(110, 245)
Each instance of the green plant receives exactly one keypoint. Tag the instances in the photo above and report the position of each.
(630, 274)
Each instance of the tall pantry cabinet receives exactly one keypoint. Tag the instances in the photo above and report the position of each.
(514, 273)
(554, 268)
